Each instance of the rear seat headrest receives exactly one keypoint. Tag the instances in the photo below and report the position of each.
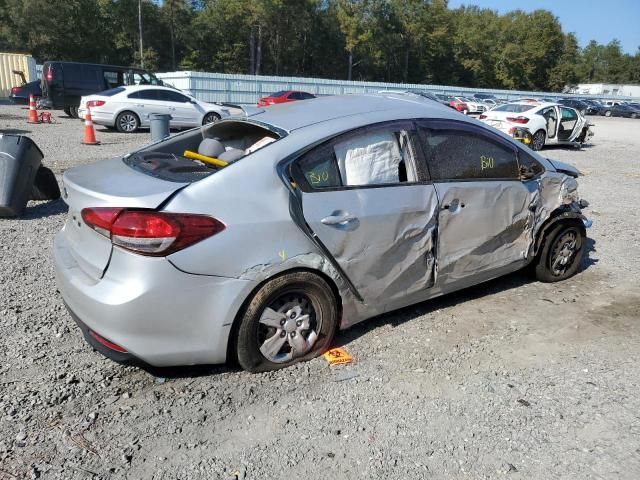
(231, 155)
(211, 147)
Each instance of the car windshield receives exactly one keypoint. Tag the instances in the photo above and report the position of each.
(278, 94)
(464, 99)
(513, 107)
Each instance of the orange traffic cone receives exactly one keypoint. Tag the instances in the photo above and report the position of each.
(33, 114)
(89, 133)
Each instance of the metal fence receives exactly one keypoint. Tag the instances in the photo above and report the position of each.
(247, 89)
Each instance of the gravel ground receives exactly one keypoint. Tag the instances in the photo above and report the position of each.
(512, 378)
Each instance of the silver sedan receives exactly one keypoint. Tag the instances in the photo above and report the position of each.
(257, 237)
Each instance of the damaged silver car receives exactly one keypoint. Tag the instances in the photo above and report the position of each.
(258, 237)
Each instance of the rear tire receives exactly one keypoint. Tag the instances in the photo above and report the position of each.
(73, 111)
(67, 111)
(607, 113)
(634, 115)
(295, 309)
(127, 122)
(538, 140)
(562, 252)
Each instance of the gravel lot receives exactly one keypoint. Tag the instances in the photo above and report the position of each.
(512, 378)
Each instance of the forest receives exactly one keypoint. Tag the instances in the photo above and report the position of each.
(416, 41)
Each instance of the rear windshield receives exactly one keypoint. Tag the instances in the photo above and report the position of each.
(198, 153)
(513, 107)
(111, 92)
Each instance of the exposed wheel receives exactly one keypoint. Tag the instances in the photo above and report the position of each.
(45, 186)
(67, 111)
(210, 117)
(291, 318)
(634, 115)
(538, 140)
(607, 113)
(73, 111)
(562, 252)
(127, 122)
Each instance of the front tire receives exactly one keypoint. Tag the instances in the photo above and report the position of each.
(210, 117)
(607, 113)
(127, 122)
(73, 112)
(67, 111)
(562, 252)
(291, 318)
(538, 140)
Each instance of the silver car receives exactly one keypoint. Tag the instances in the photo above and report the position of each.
(299, 220)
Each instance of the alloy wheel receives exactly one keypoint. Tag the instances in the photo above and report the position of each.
(288, 328)
(128, 122)
(563, 252)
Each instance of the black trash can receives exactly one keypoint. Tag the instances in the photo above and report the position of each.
(20, 159)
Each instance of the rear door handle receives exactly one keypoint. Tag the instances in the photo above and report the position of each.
(338, 219)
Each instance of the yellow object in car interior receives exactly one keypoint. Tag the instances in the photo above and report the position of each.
(203, 158)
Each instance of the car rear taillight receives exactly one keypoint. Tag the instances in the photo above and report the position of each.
(15, 90)
(482, 117)
(95, 103)
(107, 343)
(518, 119)
(149, 232)
(50, 74)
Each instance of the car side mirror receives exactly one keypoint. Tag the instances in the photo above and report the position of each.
(526, 172)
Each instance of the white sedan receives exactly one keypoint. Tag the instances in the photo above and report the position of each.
(128, 108)
(473, 106)
(549, 123)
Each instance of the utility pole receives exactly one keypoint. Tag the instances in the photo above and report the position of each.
(140, 30)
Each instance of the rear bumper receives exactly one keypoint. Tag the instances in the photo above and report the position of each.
(98, 117)
(160, 315)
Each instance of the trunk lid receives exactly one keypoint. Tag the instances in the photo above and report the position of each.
(108, 183)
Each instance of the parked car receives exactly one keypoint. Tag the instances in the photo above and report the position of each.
(620, 110)
(20, 94)
(284, 96)
(490, 103)
(64, 83)
(549, 123)
(593, 107)
(468, 106)
(445, 99)
(579, 105)
(332, 212)
(485, 96)
(128, 108)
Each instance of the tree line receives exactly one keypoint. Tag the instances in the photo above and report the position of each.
(415, 41)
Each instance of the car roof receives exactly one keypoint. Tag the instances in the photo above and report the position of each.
(296, 115)
(534, 103)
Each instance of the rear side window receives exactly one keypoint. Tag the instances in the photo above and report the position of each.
(145, 95)
(463, 155)
(113, 78)
(370, 157)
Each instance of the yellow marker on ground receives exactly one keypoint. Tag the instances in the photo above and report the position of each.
(203, 158)
(337, 356)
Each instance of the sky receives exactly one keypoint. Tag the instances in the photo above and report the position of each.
(599, 20)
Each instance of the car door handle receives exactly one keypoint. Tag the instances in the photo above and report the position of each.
(338, 219)
(453, 206)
